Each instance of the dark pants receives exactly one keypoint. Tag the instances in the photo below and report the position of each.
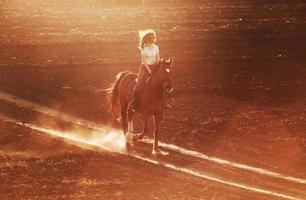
(143, 76)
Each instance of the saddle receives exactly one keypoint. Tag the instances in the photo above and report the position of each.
(133, 84)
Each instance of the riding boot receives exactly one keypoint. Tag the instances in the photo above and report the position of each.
(133, 102)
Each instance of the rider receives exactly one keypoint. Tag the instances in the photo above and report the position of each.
(149, 52)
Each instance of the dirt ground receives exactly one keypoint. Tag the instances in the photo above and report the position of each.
(240, 95)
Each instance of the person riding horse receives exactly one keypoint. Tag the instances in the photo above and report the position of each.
(148, 101)
(150, 60)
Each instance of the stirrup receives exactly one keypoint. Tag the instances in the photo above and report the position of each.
(132, 109)
(132, 106)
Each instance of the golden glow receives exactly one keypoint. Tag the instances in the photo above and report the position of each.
(104, 143)
(114, 140)
(88, 135)
(111, 140)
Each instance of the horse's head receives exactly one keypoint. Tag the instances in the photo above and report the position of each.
(164, 74)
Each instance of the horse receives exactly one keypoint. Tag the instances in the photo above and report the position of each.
(150, 102)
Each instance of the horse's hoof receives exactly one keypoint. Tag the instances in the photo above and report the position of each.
(158, 152)
(119, 119)
(129, 138)
(138, 136)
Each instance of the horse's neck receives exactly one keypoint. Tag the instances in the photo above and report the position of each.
(156, 88)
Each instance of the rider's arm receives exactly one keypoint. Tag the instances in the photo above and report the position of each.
(157, 55)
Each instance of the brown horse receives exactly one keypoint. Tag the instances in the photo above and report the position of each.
(150, 102)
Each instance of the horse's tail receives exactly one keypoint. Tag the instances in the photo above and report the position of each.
(113, 92)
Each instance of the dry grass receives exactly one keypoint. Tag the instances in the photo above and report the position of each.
(13, 164)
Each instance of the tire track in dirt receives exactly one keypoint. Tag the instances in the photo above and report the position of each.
(225, 165)
(82, 142)
(65, 117)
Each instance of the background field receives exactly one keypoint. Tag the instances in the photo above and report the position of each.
(239, 78)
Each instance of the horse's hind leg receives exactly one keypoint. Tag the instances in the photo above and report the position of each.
(130, 114)
(124, 118)
(130, 129)
(128, 137)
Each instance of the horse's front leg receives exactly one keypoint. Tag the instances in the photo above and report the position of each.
(157, 121)
(145, 125)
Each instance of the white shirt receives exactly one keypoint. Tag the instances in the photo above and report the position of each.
(150, 53)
